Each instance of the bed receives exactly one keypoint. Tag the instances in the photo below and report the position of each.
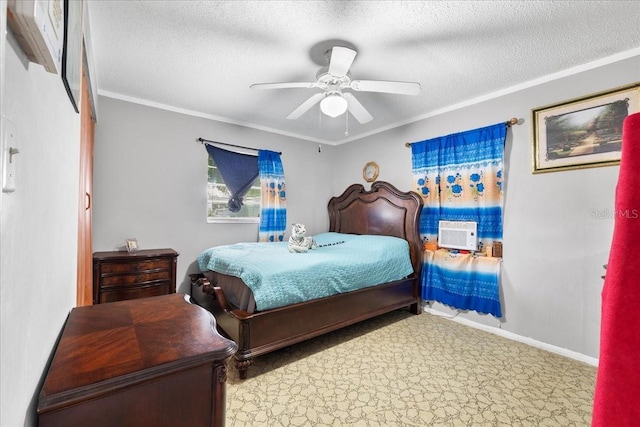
(381, 211)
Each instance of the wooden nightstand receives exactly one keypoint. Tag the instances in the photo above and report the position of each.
(150, 362)
(123, 275)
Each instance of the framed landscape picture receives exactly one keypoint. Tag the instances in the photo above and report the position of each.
(584, 132)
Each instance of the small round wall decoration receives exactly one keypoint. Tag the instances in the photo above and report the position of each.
(370, 171)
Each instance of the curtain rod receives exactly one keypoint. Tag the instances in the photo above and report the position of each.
(202, 140)
(508, 123)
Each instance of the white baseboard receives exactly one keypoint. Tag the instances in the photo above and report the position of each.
(515, 337)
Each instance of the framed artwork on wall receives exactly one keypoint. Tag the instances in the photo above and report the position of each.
(72, 50)
(584, 132)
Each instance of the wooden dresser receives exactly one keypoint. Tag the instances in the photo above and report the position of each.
(121, 275)
(149, 362)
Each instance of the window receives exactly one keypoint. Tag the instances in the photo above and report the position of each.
(218, 199)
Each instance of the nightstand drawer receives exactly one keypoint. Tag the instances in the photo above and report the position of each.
(120, 294)
(133, 279)
(125, 267)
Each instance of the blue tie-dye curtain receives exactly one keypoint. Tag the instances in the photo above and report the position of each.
(460, 179)
(273, 214)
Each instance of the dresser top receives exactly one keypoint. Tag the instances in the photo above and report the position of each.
(105, 345)
(143, 253)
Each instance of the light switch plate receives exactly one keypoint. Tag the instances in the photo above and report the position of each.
(9, 151)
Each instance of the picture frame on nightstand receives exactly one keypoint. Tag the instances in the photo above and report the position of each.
(131, 245)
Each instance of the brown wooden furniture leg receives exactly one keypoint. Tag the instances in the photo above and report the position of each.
(242, 366)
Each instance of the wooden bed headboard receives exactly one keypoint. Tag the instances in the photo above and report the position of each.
(384, 210)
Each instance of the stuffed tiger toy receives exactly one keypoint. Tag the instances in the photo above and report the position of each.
(298, 243)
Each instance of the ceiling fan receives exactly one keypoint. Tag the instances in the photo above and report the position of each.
(332, 80)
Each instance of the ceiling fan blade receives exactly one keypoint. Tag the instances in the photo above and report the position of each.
(341, 60)
(357, 109)
(286, 85)
(305, 106)
(400, 88)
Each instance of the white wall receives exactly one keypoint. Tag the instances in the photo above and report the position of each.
(150, 179)
(39, 229)
(554, 248)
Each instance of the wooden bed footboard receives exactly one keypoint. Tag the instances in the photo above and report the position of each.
(263, 332)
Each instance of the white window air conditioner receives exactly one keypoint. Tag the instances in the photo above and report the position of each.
(458, 235)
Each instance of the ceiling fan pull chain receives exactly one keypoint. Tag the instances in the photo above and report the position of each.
(346, 126)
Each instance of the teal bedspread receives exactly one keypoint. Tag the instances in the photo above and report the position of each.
(278, 277)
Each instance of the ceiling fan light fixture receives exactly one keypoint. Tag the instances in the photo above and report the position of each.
(333, 105)
(333, 78)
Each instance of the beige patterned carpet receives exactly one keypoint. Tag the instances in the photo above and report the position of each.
(406, 370)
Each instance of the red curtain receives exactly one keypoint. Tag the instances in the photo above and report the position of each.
(617, 392)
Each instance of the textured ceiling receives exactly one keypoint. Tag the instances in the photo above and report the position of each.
(202, 56)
